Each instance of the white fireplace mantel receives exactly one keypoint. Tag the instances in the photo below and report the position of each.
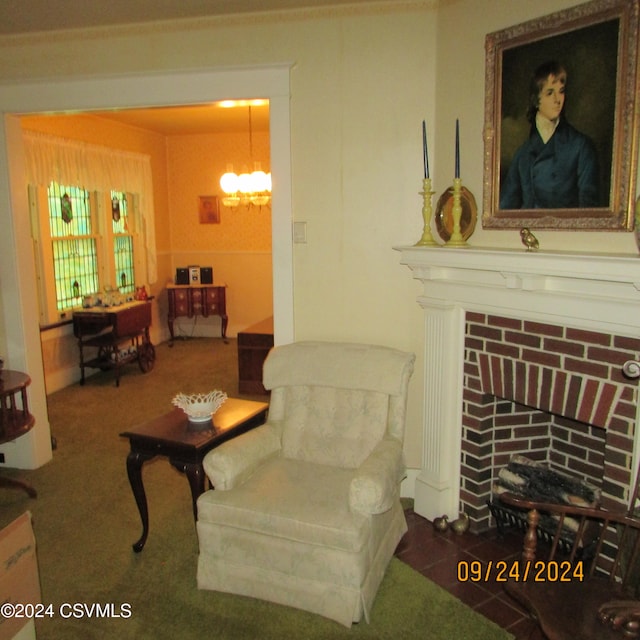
(599, 292)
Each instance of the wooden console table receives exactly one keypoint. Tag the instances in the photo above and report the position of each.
(15, 421)
(197, 300)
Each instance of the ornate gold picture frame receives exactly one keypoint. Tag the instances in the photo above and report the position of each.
(596, 44)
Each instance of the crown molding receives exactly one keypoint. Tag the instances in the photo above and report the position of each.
(355, 9)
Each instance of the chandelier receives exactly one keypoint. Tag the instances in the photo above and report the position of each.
(246, 189)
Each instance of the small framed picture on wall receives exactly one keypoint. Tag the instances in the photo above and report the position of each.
(208, 210)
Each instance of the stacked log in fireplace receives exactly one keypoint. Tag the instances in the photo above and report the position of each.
(538, 482)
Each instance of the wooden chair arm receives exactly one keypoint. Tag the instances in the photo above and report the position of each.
(585, 516)
(595, 513)
(623, 615)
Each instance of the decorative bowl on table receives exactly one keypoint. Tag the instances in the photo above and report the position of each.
(200, 407)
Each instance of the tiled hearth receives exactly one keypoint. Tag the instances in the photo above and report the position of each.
(437, 555)
(548, 330)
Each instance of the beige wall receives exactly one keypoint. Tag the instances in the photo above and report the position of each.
(361, 83)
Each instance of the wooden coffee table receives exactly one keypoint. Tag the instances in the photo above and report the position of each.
(169, 436)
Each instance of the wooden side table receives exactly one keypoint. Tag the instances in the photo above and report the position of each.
(169, 436)
(15, 420)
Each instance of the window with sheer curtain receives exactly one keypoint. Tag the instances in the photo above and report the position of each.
(92, 221)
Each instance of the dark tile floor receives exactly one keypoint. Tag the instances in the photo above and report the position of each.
(439, 556)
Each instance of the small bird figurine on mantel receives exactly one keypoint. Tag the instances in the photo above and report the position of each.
(441, 523)
(460, 525)
(528, 239)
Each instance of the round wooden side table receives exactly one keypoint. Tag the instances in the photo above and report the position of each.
(15, 419)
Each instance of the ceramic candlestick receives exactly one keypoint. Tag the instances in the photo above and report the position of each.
(456, 239)
(427, 239)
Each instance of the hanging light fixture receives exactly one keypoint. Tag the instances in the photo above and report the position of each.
(247, 188)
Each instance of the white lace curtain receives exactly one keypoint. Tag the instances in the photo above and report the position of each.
(95, 168)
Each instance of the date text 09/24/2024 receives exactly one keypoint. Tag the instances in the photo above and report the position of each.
(538, 571)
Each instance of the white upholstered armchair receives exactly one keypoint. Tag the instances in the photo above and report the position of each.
(305, 509)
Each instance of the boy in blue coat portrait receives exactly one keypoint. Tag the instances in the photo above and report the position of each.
(557, 166)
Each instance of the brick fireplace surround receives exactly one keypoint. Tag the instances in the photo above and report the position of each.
(555, 394)
(524, 354)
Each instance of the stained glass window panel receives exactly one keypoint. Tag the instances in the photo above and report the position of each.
(122, 242)
(72, 204)
(76, 271)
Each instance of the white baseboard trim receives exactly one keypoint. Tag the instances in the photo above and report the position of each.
(408, 485)
(64, 378)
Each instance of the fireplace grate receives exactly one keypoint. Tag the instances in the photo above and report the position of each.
(510, 518)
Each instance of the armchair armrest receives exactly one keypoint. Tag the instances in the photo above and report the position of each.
(236, 460)
(375, 486)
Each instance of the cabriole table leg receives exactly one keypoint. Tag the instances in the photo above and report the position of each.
(135, 461)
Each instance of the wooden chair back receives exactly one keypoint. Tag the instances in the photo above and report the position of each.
(587, 589)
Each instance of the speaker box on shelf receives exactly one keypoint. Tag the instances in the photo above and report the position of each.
(206, 275)
(182, 275)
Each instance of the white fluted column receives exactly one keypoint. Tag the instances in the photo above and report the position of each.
(437, 490)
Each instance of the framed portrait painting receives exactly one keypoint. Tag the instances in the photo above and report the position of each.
(561, 120)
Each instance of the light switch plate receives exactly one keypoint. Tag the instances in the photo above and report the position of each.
(300, 232)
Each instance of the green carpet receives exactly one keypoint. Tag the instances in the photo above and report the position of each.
(85, 521)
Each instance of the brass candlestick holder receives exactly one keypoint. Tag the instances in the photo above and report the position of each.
(427, 238)
(456, 239)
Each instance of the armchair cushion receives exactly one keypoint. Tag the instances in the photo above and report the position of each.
(282, 500)
(333, 426)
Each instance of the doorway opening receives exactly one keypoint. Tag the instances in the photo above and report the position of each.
(153, 90)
